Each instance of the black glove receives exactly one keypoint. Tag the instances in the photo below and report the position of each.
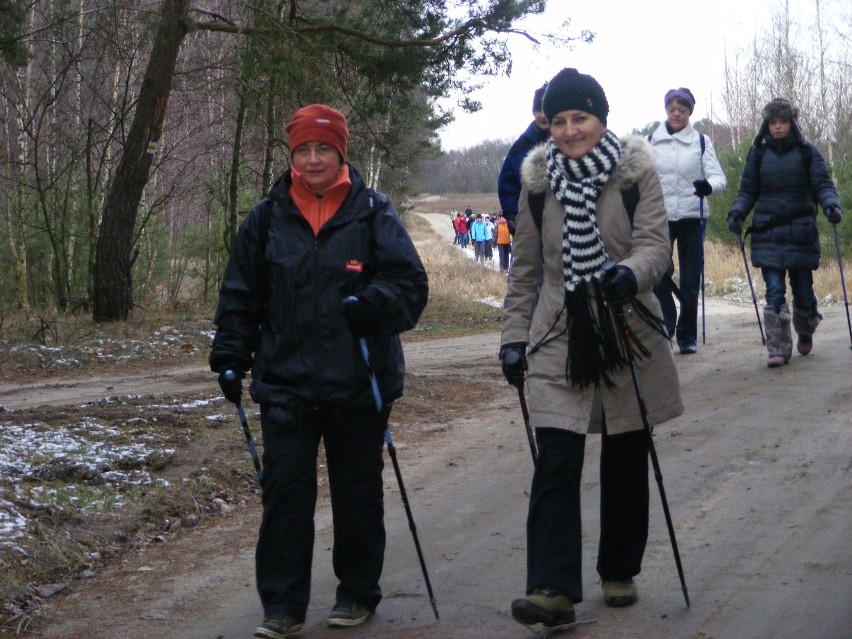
(833, 214)
(361, 315)
(735, 224)
(702, 188)
(231, 383)
(514, 358)
(618, 284)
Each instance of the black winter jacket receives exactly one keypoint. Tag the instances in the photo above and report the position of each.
(280, 305)
(783, 190)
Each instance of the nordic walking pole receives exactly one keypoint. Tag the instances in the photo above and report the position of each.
(643, 411)
(842, 280)
(229, 374)
(511, 359)
(703, 321)
(392, 452)
(751, 287)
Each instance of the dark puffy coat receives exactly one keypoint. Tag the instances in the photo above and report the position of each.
(280, 305)
(782, 191)
(509, 180)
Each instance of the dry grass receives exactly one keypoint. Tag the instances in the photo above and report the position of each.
(725, 275)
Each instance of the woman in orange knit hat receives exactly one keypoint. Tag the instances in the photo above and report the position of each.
(321, 236)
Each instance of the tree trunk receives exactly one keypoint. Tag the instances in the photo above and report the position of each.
(113, 287)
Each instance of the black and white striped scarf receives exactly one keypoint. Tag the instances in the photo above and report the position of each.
(594, 346)
(577, 185)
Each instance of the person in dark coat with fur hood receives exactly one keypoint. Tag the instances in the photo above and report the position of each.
(560, 336)
(783, 180)
(320, 238)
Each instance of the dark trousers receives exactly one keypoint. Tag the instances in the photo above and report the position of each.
(689, 237)
(354, 442)
(554, 549)
(505, 251)
(801, 285)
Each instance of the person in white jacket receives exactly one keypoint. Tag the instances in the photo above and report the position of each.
(689, 171)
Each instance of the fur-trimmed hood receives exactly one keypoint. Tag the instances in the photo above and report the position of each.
(636, 157)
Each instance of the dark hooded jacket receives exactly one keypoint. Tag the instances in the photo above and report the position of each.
(280, 305)
(783, 179)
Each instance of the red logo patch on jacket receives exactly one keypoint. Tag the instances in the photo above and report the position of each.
(354, 266)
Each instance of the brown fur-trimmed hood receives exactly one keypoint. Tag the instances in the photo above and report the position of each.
(636, 157)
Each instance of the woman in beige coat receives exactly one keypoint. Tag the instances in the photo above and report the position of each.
(560, 334)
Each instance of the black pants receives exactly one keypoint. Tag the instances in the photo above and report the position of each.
(354, 443)
(554, 549)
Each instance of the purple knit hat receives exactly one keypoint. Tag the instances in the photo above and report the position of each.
(681, 94)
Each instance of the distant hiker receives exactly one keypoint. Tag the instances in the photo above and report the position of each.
(783, 180)
(560, 336)
(454, 221)
(462, 229)
(689, 171)
(479, 236)
(504, 242)
(319, 237)
(489, 244)
(509, 180)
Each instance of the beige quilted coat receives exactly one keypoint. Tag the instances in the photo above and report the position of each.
(535, 298)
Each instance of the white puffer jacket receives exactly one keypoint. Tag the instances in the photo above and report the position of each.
(678, 162)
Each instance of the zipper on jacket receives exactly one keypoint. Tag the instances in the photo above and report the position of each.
(317, 326)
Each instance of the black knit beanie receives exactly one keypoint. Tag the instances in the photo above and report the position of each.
(569, 89)
(539, 94)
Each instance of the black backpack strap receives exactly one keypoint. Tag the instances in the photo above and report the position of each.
(536, 202)
(702, 142)
(629, 198)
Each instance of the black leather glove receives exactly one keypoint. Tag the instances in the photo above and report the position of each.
(833, 214)
(231, 383)
(361, 315)
(618, 284)
(514, 358)
(702, 188)
(735, 224)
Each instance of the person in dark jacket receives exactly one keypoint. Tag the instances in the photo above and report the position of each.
(783, 180)
(509, 180)
(319, 238)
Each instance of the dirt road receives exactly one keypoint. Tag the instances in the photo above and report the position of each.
(757, 474)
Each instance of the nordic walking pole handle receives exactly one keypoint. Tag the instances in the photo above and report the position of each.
(255, 460)
(377, 396)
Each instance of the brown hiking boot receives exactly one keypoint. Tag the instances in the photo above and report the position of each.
(618, 594)
(546, 606)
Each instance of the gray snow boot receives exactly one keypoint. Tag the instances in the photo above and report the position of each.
(779, 339)
(805, 322)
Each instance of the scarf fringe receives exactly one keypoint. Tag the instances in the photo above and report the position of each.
(595, 347)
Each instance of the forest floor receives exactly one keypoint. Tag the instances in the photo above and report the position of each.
(757, 473)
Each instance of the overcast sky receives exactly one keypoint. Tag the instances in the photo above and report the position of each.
(642, 49)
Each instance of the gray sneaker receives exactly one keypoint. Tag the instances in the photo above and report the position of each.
(546, 606)
(345, 615)
(277, 626)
